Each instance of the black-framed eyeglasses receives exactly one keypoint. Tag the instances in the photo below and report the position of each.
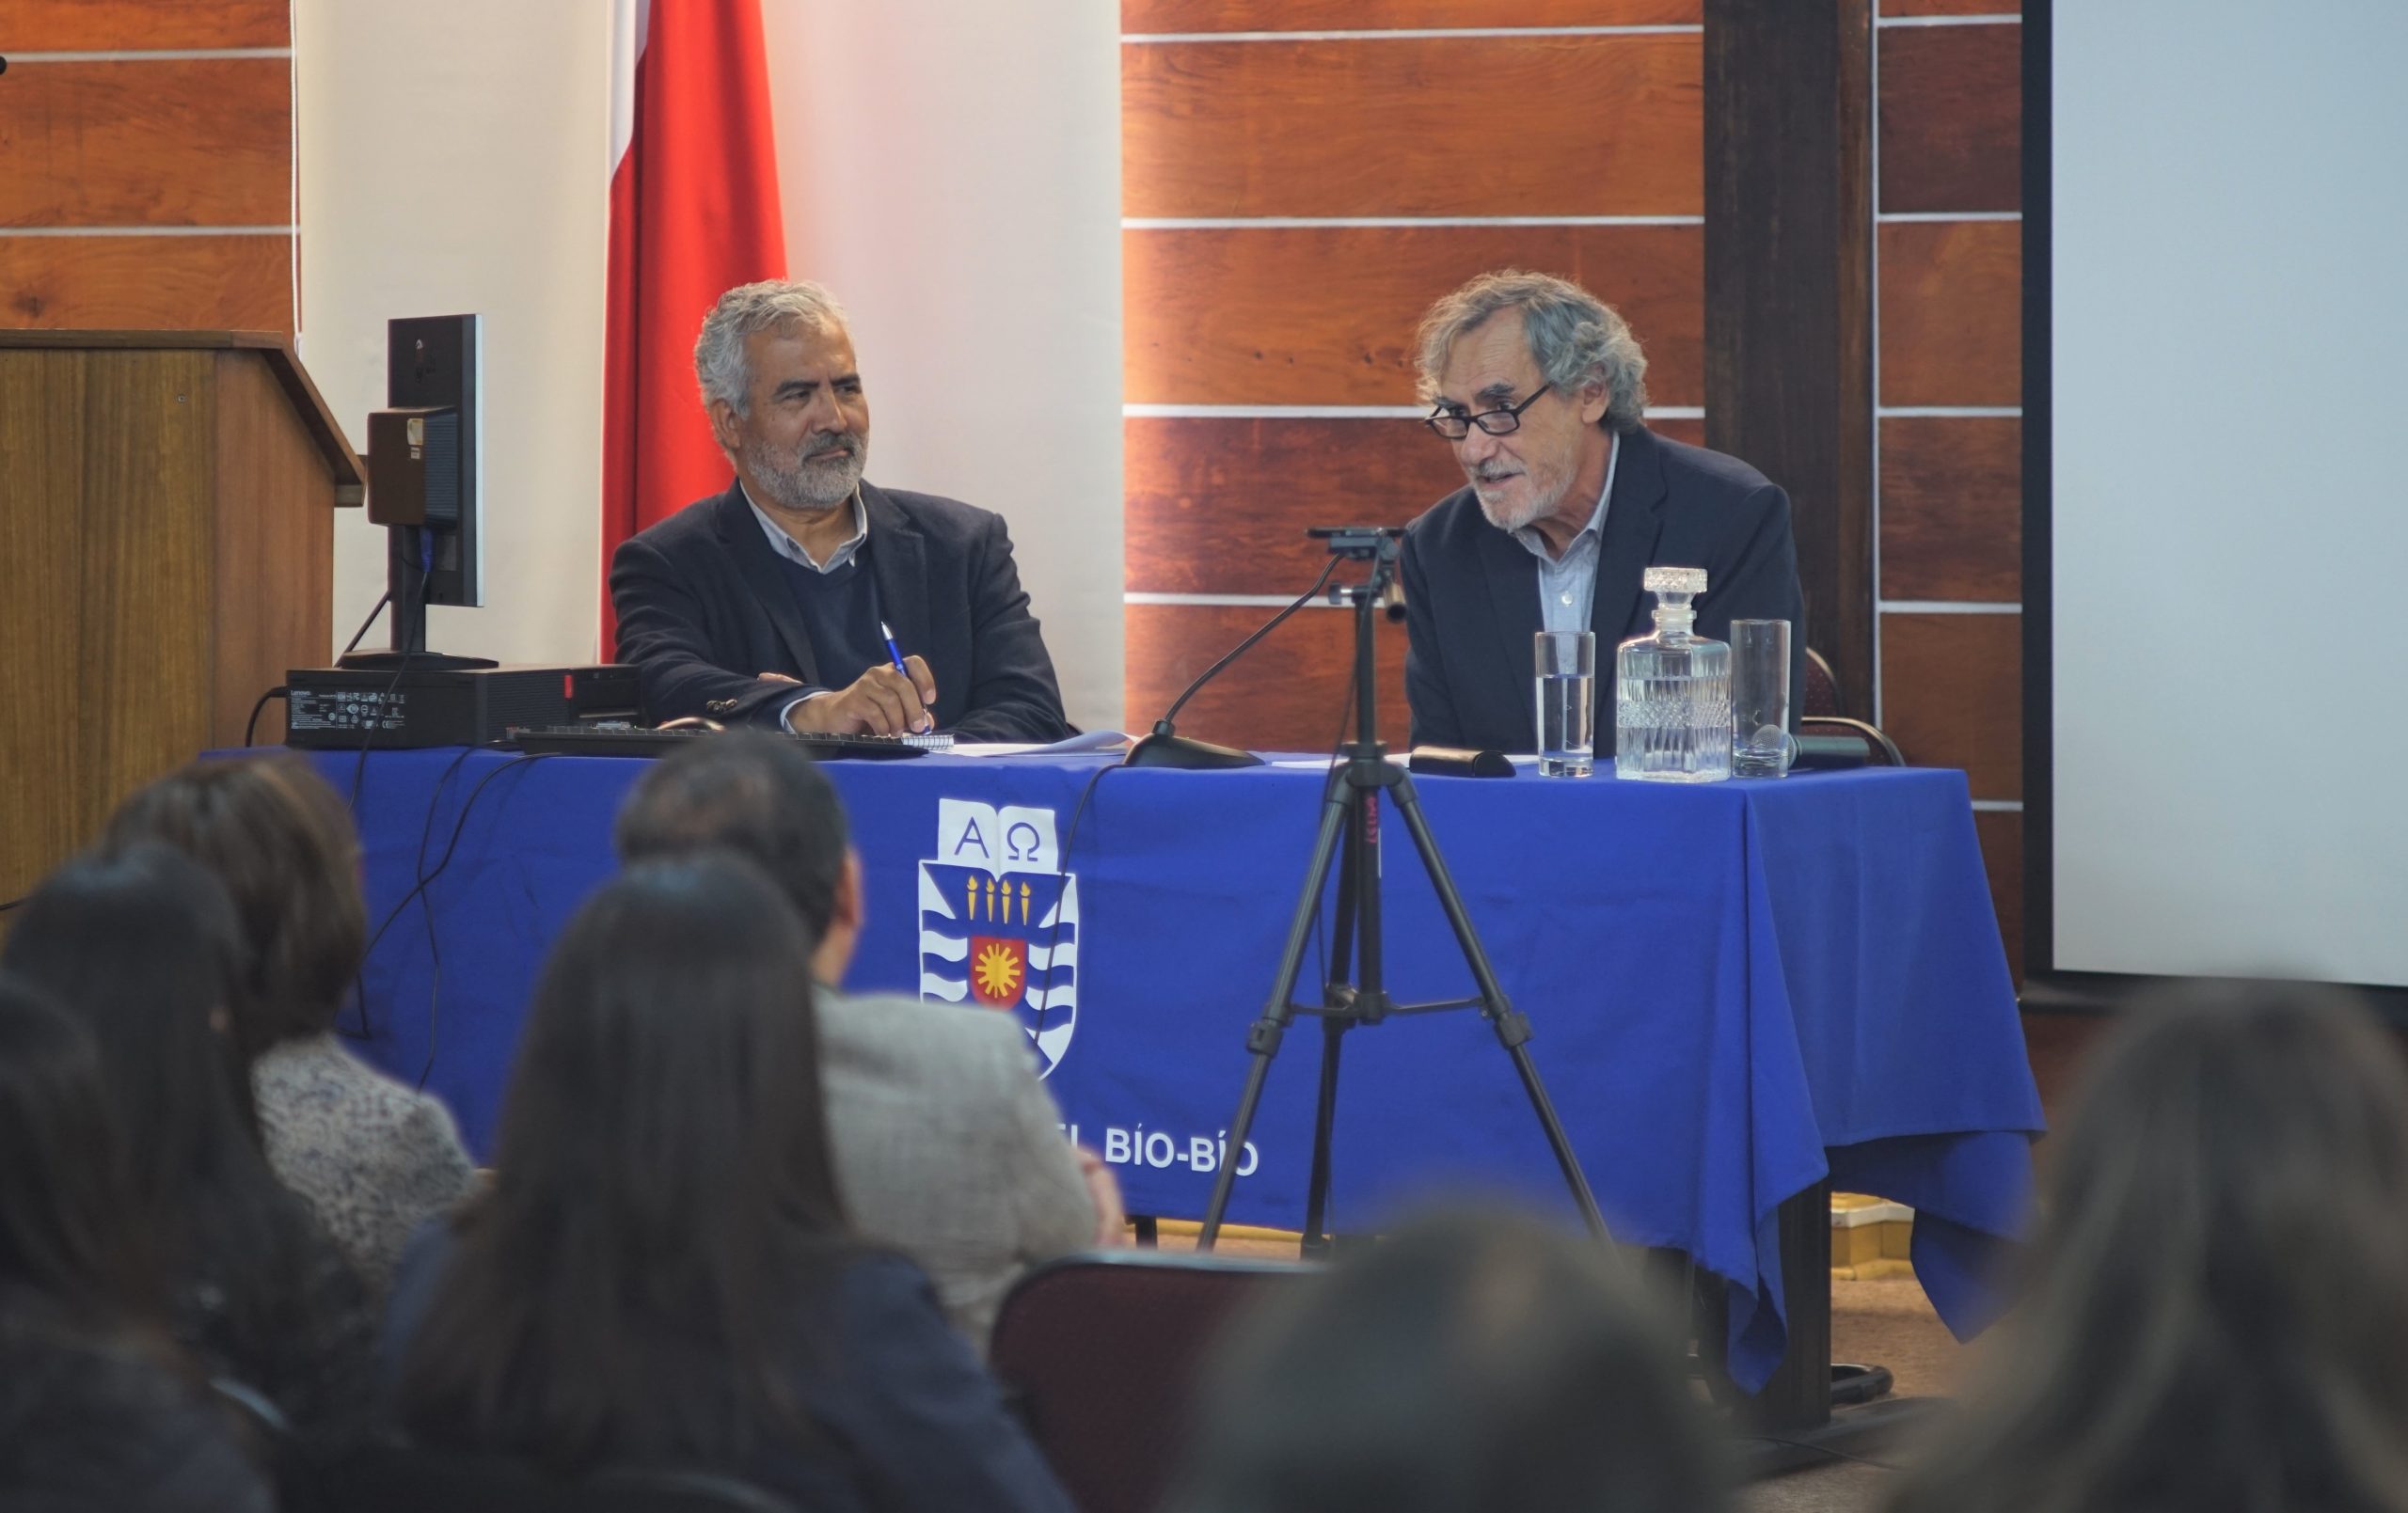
(1454, 425)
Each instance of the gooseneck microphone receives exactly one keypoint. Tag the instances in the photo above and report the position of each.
(1167, 747)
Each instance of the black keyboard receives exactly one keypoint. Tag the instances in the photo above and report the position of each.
(629, 741)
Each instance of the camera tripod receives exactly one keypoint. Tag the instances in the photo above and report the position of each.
(1350, 835)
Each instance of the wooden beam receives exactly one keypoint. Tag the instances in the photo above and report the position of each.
(1788, 290)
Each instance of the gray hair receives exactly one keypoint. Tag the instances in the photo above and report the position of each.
(1576, 339)
(720, 364)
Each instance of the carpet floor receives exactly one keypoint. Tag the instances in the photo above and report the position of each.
(1875, 1323)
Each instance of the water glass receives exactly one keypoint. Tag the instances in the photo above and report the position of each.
(1761, 745)
(1567, 695)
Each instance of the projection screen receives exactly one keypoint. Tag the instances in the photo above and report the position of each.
(2216, 526)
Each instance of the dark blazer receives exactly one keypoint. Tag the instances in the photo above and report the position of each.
(902, 1416)
(1471, 592)
(704, 608)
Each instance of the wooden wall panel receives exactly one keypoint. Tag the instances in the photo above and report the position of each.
(2002, 833)
(106, 25)
(1952, 117)
(1326, 315)
(1952, 312)
(1284, 694)
(1952, 507)
(1220, 506)
(181, 141)
(1158, 16)
(1952, 692)
(1408, 127)
(211, 283)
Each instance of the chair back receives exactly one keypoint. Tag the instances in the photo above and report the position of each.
(1101, 1353)
(1879, 751)
(392, 1479)
(1821, 695)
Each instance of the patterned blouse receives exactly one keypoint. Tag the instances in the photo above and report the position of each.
(372, 1157)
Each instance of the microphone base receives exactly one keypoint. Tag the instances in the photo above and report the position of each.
(1187, 753)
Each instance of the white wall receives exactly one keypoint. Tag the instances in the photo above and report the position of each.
(952, 171)
(452, 157)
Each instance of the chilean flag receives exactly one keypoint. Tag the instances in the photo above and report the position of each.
(693, 212)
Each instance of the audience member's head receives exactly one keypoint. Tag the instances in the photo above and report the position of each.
(69, 1231)
(1475, 1361)
(97, 1410)
(2217, 1314)
(280, 842)
(663, 1187)
(761, 797)
(141, 947)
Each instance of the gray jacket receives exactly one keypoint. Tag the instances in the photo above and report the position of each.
(947, 1146)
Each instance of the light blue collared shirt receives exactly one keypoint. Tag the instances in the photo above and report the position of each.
(791, 549)
(1568, 585)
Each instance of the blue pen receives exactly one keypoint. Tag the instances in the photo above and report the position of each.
(894, 656)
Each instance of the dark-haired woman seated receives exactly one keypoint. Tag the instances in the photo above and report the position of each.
(2216, 1316)
(660, 1275)
(141, 948)
(97, 1408)
(373, 1158)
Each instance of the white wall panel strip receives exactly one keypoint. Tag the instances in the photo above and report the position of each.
(1410, 34)
(1253, 223)
(1996, 18)
(148, 230)
(1336, 412)
(164, 55)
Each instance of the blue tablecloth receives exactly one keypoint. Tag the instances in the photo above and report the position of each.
(1737, 989)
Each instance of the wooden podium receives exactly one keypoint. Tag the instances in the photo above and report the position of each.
(166, 551)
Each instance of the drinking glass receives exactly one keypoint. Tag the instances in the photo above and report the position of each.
(1761, 745)
(1567, 703)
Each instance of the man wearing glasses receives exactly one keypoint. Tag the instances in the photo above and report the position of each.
(1541, 389)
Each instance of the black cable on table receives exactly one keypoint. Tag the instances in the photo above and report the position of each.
(382, 600)
(425, 838)
(377, 714)
(251, 726)
(426, 879)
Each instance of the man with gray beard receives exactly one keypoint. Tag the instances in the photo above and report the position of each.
(1542, 389)
(772, 604)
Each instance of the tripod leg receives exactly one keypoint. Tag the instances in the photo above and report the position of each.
(1262, 1037)
(1513, 1029)
(1343, 938)
(1333, 1038)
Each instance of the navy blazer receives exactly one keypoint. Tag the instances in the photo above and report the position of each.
(704, 607)
(904, 1417)
(1471, 591)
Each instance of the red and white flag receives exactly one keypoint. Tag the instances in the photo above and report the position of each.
(693, 212)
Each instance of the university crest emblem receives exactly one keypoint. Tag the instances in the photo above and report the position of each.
(999, 921)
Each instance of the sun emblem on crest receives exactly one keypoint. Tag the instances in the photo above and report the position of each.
(999, 973)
